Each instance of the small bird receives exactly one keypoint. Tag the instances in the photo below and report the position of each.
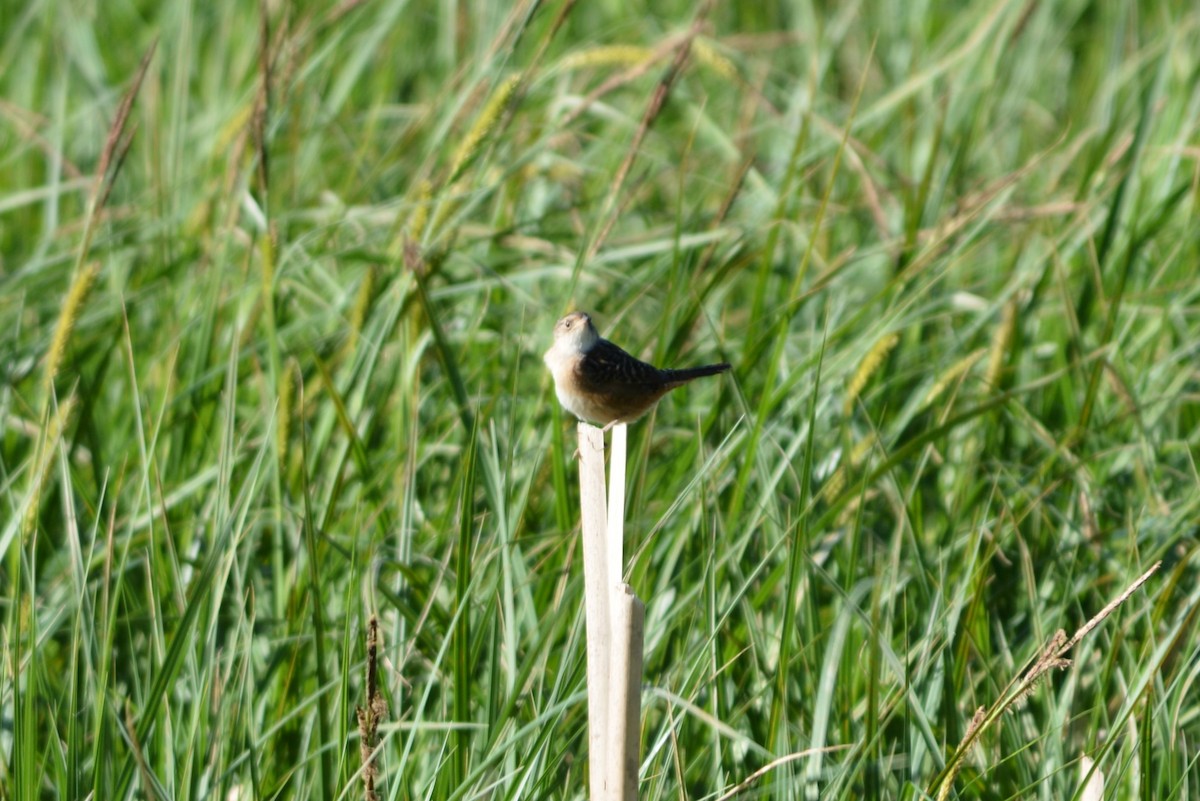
(598, 382)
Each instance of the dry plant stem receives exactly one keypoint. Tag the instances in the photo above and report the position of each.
(148, 785)
(615, 619)
(1106, 611)
(114, 151)
(616, 505)
(1052, 655)
(370, 715)
(596, 584)
(652, 110)
(112, 158)
(625, 693)
(745, 783)
(622, 79)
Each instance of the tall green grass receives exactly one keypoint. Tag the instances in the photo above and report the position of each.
(271, 361)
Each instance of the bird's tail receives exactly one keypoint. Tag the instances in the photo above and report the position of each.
(674, 378)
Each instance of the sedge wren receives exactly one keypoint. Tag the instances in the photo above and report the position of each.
(598, 382)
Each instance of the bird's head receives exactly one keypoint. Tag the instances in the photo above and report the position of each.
(575, 331)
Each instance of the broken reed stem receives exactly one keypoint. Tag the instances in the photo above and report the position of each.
(625, 694)
(596, 588)
(616, 505)
(615, 625)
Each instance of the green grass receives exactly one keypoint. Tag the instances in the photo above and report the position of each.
(272, 364)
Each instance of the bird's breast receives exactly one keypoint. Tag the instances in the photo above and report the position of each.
(564, 366)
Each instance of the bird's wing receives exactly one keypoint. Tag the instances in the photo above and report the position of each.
(607, 368)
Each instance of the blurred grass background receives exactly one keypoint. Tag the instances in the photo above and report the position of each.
(271, 363)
